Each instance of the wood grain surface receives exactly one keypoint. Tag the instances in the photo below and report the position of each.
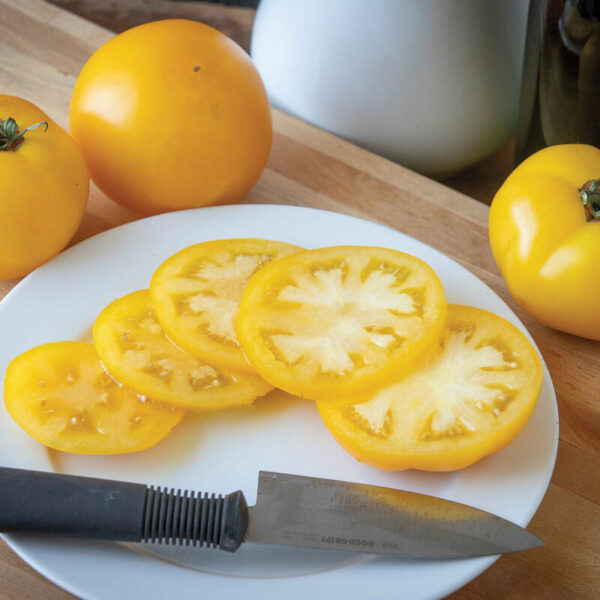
(42, 48)
(116, 15)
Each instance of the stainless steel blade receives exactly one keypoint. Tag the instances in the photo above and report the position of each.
(322, 513)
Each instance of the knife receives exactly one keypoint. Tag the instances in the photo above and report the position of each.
(290, 509)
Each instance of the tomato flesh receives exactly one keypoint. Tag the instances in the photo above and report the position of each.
(61, 396)
(136, 351)
(196, 295)
(470, 398)
(333, 322)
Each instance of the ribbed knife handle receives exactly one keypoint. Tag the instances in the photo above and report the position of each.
(189, 518)
(84, 507)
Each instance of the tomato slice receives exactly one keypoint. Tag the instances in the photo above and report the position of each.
(337, 322)
(196, 295)
(61, 396)
(470, 399)
(136, 352)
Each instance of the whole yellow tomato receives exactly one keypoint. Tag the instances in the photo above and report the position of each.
(45, 185)
(172, 115)
(545, 236)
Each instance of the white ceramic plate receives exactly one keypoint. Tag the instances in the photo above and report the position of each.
(223, 452)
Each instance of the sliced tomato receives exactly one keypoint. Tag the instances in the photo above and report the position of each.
(61, 396)
(196, 295)
(471, 398)
(340, 321)
(136, 352)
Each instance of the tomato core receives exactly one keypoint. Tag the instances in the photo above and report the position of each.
(590, 196)
(10, 136)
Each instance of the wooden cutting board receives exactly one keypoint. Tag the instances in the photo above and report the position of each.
(42, 49)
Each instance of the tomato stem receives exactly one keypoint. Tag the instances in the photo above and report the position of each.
(10, 136)
(590, 196)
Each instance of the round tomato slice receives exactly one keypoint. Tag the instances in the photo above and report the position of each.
(196, 295)
(340, 321)
(61, 396)
(471, 398)
(136, 352)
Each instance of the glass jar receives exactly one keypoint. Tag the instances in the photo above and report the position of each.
(560, 92)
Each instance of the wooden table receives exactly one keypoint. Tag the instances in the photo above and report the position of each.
(42, 48)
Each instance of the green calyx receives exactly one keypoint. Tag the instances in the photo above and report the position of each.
(10, 136)
(590, 196)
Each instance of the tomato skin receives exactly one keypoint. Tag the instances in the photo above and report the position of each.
(172, 115)
(545, 249)
(45, 186)
(410, 396)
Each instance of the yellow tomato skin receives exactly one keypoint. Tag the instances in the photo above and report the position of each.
(172, 115)
(45, 185)
(545, 249)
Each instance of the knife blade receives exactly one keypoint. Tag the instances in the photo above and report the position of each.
(290, 509)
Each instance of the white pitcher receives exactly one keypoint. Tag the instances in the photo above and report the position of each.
(431, 84)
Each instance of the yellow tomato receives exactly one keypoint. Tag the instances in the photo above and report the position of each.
(339, 321)
(61, 396)
(546, 241)
(172, 115)
(45, 186)
(196, 294)
(135, 350)
(470, 398)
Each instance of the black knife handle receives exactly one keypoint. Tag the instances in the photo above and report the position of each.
(83, 507)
